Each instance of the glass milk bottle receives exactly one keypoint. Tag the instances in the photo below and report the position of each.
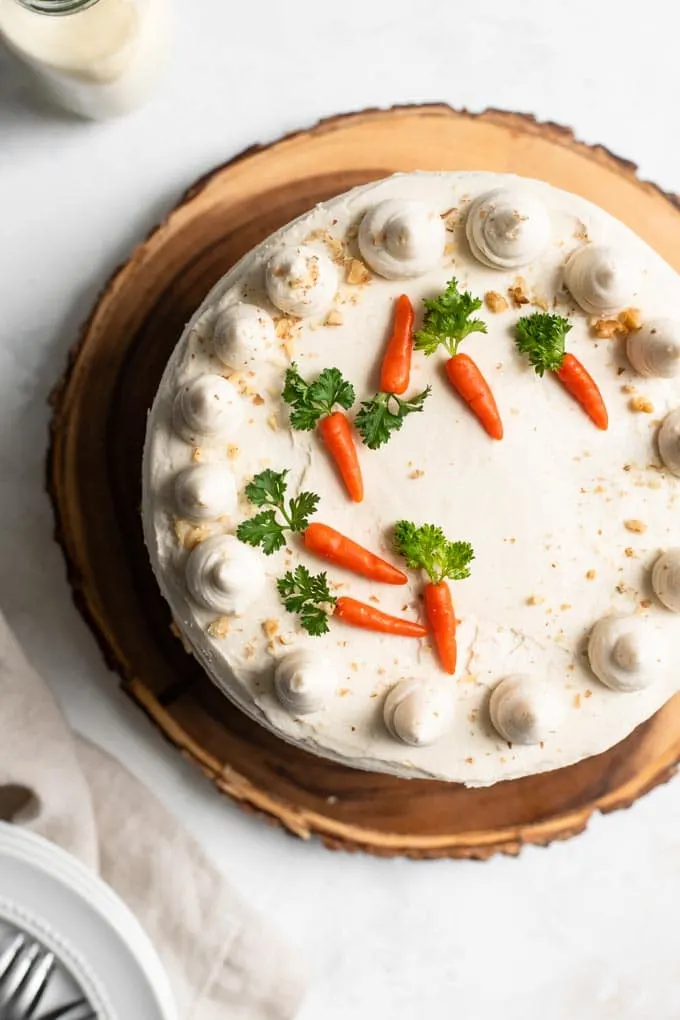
(98, 58)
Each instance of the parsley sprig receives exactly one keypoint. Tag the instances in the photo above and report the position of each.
(268, 489)
(447, 320)
(384, 414)
(427, 548)
(308, 595)
(542, 336)
(310, 402)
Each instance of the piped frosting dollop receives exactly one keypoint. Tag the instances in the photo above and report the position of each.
(417, 712)
(525, 710)
(242, 336)
(225, 575)
(204, 492)
(666, 579)
(599, 279)
(301, 280)
(669, 441)
(401, 238)
(208, 409)
(654, 349)
(625, 653)
(302, 681)
(507, 228)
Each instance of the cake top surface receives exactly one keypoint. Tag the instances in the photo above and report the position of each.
(566, 620)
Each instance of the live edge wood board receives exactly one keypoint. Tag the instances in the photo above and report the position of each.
(93, 475)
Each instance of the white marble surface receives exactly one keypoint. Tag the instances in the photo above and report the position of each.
(583, 929)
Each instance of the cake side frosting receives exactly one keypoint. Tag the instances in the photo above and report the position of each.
(566, 522)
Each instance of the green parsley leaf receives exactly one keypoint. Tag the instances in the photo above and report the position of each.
(264, 530)
(447, 320)
(384, 414)
(427, 548)
(307, 595)
(267, 489)
(542, 337)
(310, 402)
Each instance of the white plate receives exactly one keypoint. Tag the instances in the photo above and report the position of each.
(60, 901)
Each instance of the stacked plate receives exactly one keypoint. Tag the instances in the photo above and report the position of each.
(104, 955)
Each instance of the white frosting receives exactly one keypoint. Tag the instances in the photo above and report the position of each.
(204, 492)
(669, 441)
(303, 681)
(418, 713)
(242, 335)
(301, 280)
(654, 349)
(507, 228)
(666, 579)
(625, 653)
(526, 710)
(225, 575)
(600, 278)
(208, 409)
(402, 238)
(552, 563)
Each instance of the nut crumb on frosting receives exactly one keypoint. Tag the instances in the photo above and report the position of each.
(517, 293)
(334, 318)
(631, 319)
(357, 272)
(270, 627)
(495, 302)
(630, 553)
(416, 474)
(196, 455)
(591, 575)
(637, 527)
(535, 600)
(219, 628)
(273, 422)
(607, 329)
(641, 405)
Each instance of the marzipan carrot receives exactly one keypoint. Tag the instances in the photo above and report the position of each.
(470, 384)
(427, 548)
(583, 389)
(396, 366)
(336, 433)
(359, 614)
(313, 404)
(442, 620)
(336, 548)
(542, 336)
(447, 322)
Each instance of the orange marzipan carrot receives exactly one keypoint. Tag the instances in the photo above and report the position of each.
(583, 388)
(359, 614)
(468, 381)
(336, 433)
(396, 366)
(442, 619)
(330, 545)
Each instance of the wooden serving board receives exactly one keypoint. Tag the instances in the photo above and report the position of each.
(94, 479)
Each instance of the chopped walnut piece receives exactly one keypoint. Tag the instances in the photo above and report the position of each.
(357, 272)
(258, 400)
(608, 329)
(232, 451)
(637, 527)
(196, 455)
(577, 701)
(535, 600)
(270, 627)
(219, 628)
(416, 474)
(591, 575)
(631, 318)
(273, 422)
(286, 327)
(194, 536)
(517, 293)
(641, 405)
(645, 603)
(495, 302)
(628, 388)
(630, 553)
(334, 318)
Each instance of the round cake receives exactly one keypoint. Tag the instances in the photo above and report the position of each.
(411, 479)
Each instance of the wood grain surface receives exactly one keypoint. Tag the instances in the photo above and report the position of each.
(94, 461)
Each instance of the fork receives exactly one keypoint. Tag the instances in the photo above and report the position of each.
(25, 969)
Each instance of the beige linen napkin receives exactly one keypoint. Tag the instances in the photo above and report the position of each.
(220, 957)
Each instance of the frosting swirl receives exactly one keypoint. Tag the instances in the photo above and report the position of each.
(225, 575)
(241, 335)
(302, 681)
(301, 280)
(599, 279)
(669, 441)
(507, 228)
(401, 238)
(205, 491)
(666, 579)
(207, 409)
(623, 652)
(525, 710)
(416, 712)
(654, 349)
